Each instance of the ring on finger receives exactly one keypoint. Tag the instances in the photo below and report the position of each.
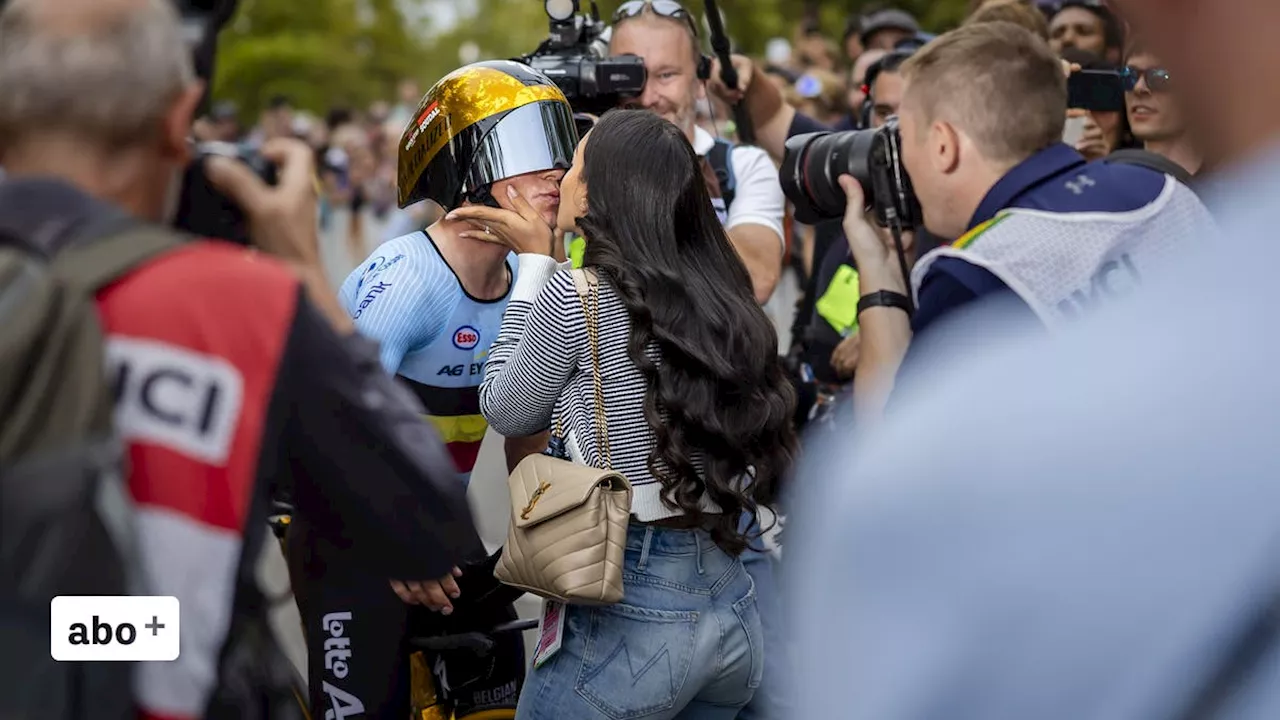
(486, 230)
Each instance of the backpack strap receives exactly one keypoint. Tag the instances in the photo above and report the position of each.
(98, 263)
(1150, 161)
(719, 158)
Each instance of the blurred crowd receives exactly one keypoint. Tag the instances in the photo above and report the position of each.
(822, 75)
(356, 151)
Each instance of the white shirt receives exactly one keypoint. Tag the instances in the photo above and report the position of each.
(758, 198)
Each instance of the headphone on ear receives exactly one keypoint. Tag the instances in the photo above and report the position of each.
(869, 103)
(889, 63)
(864, 112)
(704, 67)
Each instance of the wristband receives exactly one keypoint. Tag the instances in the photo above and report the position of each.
(885, 298)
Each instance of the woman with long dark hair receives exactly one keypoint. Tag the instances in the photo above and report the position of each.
(698, 412)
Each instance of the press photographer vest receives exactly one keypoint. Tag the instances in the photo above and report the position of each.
(1063, 265)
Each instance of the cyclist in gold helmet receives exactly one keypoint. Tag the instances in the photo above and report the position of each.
(491, 133)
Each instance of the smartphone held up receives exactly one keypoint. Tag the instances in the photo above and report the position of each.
(1096, 91)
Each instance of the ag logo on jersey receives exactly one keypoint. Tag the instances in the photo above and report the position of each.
(466, 338)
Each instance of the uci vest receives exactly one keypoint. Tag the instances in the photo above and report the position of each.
(194, 379)
(1063, 265)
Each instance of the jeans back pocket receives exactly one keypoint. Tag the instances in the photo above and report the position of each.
(636, 660)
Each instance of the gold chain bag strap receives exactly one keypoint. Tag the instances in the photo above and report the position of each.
(568, 531)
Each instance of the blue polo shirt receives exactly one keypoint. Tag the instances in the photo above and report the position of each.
(1056, 179)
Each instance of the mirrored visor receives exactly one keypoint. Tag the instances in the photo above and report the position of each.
(532, 138)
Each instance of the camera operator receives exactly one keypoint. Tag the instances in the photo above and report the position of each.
(743, 183)
(235, 372)
(825, 327)
(981, 124)
(830, 333)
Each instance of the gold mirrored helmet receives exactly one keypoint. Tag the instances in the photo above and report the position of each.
(480, 124)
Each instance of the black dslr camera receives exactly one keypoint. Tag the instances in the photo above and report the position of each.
(576, 58)
(813, 164)
(203, 210)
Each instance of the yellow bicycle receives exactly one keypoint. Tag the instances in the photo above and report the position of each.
(425, 699)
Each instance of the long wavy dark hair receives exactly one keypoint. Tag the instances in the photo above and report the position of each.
(718, 393)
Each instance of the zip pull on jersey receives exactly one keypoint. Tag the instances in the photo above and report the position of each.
(433, 334)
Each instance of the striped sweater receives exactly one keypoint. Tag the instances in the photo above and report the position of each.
(540, 366)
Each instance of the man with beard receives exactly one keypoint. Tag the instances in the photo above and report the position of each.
(743, 182)
(1087, 25)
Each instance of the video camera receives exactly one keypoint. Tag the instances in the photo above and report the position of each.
(576, 58)
(814, 162)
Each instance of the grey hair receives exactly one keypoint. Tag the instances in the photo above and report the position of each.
(109, 79)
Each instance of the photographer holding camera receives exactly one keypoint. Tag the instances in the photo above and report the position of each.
(825, 336)
(980, 139)
(231, 373)
(743, 182)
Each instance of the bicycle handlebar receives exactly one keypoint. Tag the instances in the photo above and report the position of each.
(478, 642)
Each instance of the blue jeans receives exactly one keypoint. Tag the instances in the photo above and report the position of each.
(773, 701)
(685, 642)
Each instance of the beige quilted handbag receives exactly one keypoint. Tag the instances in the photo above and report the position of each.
(568, 531)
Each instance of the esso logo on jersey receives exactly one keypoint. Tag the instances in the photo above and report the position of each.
(466, 338)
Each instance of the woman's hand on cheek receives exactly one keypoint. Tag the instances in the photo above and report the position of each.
(522, 230)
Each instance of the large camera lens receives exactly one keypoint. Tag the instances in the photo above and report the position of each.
(813, 164)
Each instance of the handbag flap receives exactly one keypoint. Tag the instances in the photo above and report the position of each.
(543, 487)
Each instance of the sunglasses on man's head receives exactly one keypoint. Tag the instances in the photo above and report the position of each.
(664, 8)
(1158, 79)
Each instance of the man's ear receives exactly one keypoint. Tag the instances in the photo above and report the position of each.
(178, 122)
(498, 191)
(944, 146)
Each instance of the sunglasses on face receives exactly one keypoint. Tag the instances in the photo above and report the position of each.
(1158, 79)
(663, 8)
(1053, 8)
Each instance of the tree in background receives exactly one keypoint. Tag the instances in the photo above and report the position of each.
(751, 23)
(323, 53)
(320, 53)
